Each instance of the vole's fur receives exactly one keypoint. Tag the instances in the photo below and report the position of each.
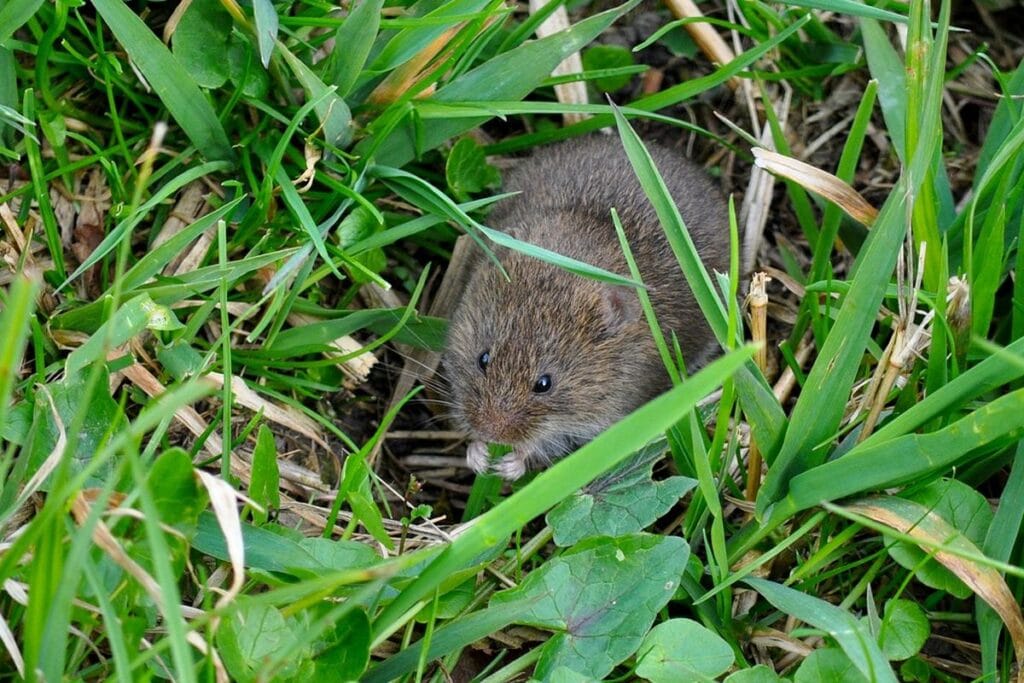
(590, 338)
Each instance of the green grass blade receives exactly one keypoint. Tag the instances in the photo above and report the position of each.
(352, 43)
(509, 76)
(850, 7)
(14, 321)
(175, 87)
(561, 480)
(852, 635)
(124, 228)
(14, 13)
(906, 458)
(816, 416)
(266, 28)
(762, 408)
(999, 543)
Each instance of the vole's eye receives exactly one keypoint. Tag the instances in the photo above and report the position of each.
(484, 360)
(542, 385)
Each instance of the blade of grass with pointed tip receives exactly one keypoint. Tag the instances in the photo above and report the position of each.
(172, 84)
(123, 228)
(331, 110)
(352, 43)
(562, 479)
(418, 191)
(266, 28)
(851, 634)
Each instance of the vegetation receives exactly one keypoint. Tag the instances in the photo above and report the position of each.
(222, 225)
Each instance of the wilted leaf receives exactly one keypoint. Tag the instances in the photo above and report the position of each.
(964, 510)
(912, 518)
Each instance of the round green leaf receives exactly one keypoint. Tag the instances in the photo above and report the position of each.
(608, 57)
(200, 41)
(467, 170)
(758, 674)
(905, 629)
(828, 664)
(683, 650)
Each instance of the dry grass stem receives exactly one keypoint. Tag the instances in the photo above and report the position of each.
(567, 93)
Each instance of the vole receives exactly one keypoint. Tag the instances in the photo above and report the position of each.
(546, 360)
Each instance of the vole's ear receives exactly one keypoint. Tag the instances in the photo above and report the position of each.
(620, 306)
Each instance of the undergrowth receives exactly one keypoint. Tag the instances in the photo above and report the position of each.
(223, 228)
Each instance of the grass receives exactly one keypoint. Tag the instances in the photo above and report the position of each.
(222, 228)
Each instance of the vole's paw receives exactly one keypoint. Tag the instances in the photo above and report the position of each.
(477, 457)
(511, 467)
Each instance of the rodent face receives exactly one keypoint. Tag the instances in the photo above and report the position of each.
(541, 361)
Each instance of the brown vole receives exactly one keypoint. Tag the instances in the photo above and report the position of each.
(548, 360)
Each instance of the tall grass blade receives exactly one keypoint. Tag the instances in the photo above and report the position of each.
(175, 87)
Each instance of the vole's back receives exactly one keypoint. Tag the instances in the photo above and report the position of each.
(568, 191)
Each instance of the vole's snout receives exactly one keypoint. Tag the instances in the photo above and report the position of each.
(496, 424)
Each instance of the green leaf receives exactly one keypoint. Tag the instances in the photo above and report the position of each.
(14, 321)
(848, 632)
(252, 633)
(601, 597)
(623, 502)
(854, 8)
(171, 82)
(272, 552)
(352, 43)
(176, 493)
(828, 664)
(266, 29)
(905, 629)
(136, 315)
(683, 650)
(102, 418)
(200, 41)
(265, 475)
(467, 170)
(963, 509)
(345, 650)
(608, 57)
(758, 674)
